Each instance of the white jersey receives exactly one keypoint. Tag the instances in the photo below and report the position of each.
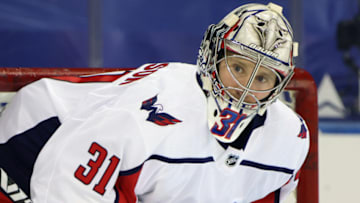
(143, 138)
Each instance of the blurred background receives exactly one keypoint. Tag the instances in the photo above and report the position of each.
(124, 33)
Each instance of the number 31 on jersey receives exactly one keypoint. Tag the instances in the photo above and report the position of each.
(100, 154)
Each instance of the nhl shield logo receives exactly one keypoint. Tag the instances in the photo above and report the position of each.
(231, 160)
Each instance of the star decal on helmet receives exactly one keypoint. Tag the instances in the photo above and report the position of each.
(156, 115)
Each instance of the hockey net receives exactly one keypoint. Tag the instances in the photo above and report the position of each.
(300, 94)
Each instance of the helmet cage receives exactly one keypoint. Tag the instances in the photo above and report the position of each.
(220, 91)
(255, 32)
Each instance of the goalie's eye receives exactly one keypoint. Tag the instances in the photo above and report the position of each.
(261, 79)
(238, 69)
(264, 79)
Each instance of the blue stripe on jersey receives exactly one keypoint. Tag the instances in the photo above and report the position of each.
(181, 160)
(266, 167)
(131, 171)
(19, 154)
(277, 196)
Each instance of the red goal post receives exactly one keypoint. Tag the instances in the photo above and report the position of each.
(302, 87)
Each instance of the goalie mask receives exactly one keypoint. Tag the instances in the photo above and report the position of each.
(245, 61)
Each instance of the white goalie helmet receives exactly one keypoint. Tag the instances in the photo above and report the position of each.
(260, 39)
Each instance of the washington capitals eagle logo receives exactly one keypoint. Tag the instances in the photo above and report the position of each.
(156, 115)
